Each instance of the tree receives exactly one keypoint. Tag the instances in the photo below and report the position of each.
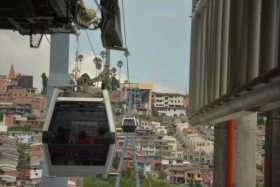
(162, 175)
(115, 83)
(1, 116)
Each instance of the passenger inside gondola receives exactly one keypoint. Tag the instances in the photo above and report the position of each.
(83, 139)
(83, 129)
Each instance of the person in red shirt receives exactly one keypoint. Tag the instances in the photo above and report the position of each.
(83, 138)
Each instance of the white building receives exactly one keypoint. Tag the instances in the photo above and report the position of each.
(161, 131)
(169, 104)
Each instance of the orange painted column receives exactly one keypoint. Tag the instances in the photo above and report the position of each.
(230, 153)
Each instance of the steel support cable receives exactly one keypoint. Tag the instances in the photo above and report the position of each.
(98, 5)
(125, 42)
(48, 40)
(126, 54)
(90, 43)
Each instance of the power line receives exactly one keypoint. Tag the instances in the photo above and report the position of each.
(98, 5)
(47, 39)
(124, 26)
(125, 42)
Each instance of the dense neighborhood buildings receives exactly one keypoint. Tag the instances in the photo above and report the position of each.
(21, 120)
(166, 142)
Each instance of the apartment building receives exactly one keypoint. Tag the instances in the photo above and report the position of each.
(181, 173)
(8, 161)
(170, 104)
(138, 97)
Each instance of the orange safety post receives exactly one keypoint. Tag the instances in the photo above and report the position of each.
(230, 153)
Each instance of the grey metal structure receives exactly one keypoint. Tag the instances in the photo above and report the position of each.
(128, 141)
(58, 77)
(234, 73)
(234, 57)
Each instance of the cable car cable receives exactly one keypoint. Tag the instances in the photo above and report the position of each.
(125, 42)
(90, 43)
(48, 40)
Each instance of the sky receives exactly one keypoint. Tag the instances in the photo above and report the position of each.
(158, 37)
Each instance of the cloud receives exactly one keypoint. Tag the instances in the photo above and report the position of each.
(164, 89)
(14, 49)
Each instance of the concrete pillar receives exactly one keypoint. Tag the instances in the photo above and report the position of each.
(214, 49)
(198, 64)
(272, 149)
(193, 62)
(204, 69)
(245, 151)
(225, 47)
(254, 28)
(59, 62)
(218, 48)
(58, 76)
(220, 150)
(269, 35)
(202, 80)
(210, 51)
(236, 53)
(207, 55)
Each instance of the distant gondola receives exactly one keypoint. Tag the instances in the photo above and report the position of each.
(129, 124)
(79, 136)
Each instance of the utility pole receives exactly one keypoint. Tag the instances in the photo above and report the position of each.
(58, 76)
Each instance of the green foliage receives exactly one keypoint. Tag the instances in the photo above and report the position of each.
(126, 181)
(195, 184)
(116, 163)
(19, 128)
(115, 83)
(162, 175)
(1, 116)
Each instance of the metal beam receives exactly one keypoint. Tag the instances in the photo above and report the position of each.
(14, 23)
(253, 100)
(220, 151)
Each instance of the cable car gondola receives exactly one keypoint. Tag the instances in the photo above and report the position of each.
(129, 124)
(79, 136)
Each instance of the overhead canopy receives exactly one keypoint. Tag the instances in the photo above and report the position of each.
(111, 24)
(43, 16)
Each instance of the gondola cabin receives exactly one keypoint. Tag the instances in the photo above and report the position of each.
(129, 124)
(79, 136)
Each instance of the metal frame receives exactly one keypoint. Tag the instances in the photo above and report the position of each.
(127, 141)
(65, 170)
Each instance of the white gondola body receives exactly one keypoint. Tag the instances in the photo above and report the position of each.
(74, 164)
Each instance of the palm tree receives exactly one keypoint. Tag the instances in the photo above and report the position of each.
(120, 64)
(98, 63)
